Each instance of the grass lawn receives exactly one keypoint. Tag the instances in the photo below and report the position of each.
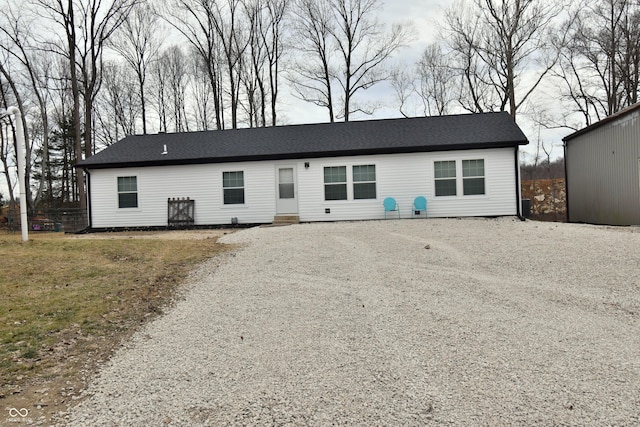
(66, 303)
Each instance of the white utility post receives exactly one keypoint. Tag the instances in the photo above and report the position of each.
(24, 224)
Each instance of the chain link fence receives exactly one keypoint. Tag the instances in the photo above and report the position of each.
(69, 220)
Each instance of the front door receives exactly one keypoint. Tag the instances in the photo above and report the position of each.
(287, 202)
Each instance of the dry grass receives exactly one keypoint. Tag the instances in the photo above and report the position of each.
(66, 303)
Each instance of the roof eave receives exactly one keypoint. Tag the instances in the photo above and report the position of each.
(305, 155)
(602, 122)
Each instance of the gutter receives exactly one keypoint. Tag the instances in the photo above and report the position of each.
(88, 198)
(97, 164)
(516, 156)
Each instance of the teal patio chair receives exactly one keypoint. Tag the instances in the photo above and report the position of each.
(390, 205)
(419, 206)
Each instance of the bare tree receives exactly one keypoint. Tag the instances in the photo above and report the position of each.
(99, 22)
(62, 150)
(234, 42)
(138, 42)
(7, 149)
(462, 34)
(499, 43)
(195, 20)
(363, 50)
(219, 37)
(272, 37)
(344, 46)
(436, 81)
(201, 94)
(600, 64)
(117, 110)
(20, 64)
(313, 76)
(87, 26)
(253, 74)
(63, 14)
(160, 92)
(403, 83)
(171, 77)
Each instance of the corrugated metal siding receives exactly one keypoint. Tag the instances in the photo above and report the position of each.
(602, 173)
(402, 176)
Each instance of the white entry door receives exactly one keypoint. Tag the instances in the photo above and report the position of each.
(287, 190)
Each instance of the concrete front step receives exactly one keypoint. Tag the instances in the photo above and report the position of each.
(286, 219)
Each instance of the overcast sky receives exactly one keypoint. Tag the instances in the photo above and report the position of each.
(424, 16)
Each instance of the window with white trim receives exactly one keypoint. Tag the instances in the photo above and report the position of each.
(127, 192)
(445, 177)
(335, 183)
(364, 182)
(233, 187)
(473, 177)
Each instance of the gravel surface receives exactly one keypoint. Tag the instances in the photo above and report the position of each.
(398, 322)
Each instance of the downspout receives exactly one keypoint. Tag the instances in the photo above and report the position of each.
(566, 181)
(516, 156)
(86, 171)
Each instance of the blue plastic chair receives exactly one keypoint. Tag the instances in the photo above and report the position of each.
(419, 206)
(390, 205)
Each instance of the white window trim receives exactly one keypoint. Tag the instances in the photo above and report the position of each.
(350, 198)
(443, 179)
(244, 189)
(484, 166)
(460, 178)
(345, 183)
(117, 197)
(354, 182)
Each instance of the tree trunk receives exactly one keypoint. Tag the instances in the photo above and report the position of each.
(75, 91)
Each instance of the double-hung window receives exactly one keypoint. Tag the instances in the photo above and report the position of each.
(233, 187)
(335, 183)
(364, 182)
(127, 192)
(445, 177)
(473, 177)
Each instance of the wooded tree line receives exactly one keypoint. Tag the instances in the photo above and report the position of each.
(86, 73)
(497, 55)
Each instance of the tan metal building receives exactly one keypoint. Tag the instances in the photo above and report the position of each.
(602, 164)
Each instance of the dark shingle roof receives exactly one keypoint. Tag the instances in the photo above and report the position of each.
(458, 132)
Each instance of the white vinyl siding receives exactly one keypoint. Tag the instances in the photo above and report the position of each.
(402, 176)
(405, 176)
(201, 183)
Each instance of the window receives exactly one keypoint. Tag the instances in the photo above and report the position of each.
(127, 192)
(335, 183)
(473, 177)
(286, 188)
(445, 177)
(364, 182)
(233, 187)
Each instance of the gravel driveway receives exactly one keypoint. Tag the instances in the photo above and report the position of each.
(398, 322)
